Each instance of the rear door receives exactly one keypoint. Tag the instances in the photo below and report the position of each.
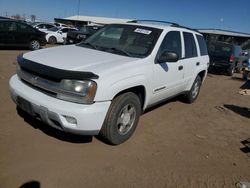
(190, 57)
(24, 33)
(62, 34)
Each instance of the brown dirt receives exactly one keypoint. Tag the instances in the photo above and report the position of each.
(175, 144)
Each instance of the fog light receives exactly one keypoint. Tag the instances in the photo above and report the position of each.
(70, 119)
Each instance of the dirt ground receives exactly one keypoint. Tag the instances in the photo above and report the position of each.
(175, 144)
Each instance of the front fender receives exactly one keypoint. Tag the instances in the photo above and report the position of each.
(106, 92)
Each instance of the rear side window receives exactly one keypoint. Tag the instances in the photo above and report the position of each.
(202, 45)
(172, 42)
(4, 26)
(190, 46)
(65, 30)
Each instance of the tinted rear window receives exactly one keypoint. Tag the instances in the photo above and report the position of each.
(190, 46)
(202, 45)
(219, 49)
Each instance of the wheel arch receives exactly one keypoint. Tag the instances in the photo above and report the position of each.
(202, 74)
(139, 90)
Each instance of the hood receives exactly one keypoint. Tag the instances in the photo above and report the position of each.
(76, 58)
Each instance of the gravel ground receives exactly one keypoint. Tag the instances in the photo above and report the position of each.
(175, 144)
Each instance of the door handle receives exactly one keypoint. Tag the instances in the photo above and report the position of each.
(180, 67)
(198, 63)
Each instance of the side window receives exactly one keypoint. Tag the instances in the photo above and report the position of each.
(65, 30)
(12, 26)
(40, 26)
(202, 45)
(172, 42)
(24, 28)
(190, 46)
(4, 26)
(48, 26)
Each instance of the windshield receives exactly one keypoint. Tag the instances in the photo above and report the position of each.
(54, 29)
(128, 40)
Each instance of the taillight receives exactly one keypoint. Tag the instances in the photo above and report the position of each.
(232, 58)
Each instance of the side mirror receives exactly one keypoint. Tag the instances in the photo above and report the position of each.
(167, 56)
(60, 32)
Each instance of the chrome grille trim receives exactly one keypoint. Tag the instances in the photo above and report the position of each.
(45, 84)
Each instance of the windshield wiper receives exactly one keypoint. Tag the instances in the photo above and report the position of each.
(91, 45)
(121, 51)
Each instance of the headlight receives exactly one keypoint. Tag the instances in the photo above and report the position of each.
(77, 91)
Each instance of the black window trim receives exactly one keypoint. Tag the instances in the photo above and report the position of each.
(194, 42)
(158, 51)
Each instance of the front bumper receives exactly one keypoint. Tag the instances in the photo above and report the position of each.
(56, 112)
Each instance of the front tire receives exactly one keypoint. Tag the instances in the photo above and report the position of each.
(122, 119)
(52, 40)
(34, 45)
(192, 95)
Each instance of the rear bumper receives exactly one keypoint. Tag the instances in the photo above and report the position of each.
(220, 65)
(56, 113)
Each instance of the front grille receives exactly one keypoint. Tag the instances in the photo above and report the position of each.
(39, 89)
(38, 83)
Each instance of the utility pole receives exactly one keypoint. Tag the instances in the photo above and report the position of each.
(78, 8)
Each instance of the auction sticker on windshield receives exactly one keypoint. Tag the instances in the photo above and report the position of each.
(143, 31)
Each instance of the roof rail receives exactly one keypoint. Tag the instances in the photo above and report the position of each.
(154, 21)
(172, 24)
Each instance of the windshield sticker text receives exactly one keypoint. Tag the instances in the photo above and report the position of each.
(142, 31)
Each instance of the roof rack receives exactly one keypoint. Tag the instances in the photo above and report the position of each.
(172, 24)
(154, 21)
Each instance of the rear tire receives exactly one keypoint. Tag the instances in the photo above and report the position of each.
(193, 93)
(34, 45)
(230, 71)
(121, 119)
(245, 75)
(52, 40)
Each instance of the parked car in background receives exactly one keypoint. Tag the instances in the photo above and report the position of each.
(246, 65)
(58, 34)
(82, 34)
(225, 57)
(16, 33)
(42, 26)
(60, 25)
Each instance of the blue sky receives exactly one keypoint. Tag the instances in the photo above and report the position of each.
(220, 14)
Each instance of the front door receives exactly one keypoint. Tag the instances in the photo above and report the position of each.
(169, 76)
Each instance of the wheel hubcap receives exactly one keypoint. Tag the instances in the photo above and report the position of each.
(126, 119)
(35, 44)
(195, 90)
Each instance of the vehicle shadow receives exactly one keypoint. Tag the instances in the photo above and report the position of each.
(246, 85)
(14, 48)
(243, 111)
(50, 131)
(216, 71)
(31, 184)
(246, 148)
(163, 103)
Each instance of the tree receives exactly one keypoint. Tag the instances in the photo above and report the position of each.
(33, 18)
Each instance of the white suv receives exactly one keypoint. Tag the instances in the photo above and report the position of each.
(102, 86)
